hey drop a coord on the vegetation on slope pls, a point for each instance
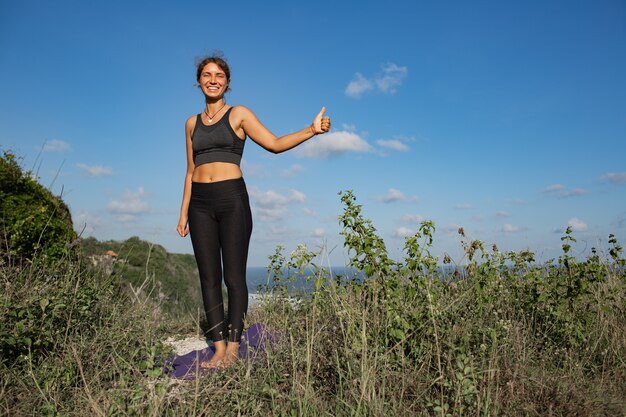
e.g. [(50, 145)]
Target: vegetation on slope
[(503, 336), (33, 221), (170, 279)]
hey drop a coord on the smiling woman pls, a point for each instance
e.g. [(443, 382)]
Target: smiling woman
[(215, 209)]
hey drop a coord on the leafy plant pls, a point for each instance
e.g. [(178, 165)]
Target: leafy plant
[(368, 250)]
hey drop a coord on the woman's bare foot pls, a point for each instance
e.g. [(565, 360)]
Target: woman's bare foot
[(232, 355), (215, 361), (218, 356), (223, 357)]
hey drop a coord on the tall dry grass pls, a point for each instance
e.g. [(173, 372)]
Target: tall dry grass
[(501, 336)]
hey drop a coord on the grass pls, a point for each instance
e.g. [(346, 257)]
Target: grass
[(506, 336)]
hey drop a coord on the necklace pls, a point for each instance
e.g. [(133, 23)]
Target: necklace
[(206, 111)]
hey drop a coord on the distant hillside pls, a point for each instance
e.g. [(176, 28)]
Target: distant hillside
[(170, 278)]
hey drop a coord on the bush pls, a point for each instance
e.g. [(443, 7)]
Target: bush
[(32, 219), (43, 305), (500, 335), (68, 331)]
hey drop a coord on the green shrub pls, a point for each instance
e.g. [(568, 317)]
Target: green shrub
[(43, 305), (66, 327), (499, 337), (32, 220)]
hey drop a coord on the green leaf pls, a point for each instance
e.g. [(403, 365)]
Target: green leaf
[(397, 334)]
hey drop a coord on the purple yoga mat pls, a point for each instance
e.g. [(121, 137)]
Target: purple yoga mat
[(254, 341)]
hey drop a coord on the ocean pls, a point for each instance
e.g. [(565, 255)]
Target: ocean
[(258, 278)]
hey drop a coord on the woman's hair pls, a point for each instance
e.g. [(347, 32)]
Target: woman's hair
[(217, 60)]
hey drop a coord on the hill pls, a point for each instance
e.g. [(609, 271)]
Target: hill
[(171, 279)]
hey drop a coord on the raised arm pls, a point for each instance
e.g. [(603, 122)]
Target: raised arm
[(183, 227), (247, 123)]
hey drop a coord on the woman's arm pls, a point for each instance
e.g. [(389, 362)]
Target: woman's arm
[(247, 122), (183, 227)]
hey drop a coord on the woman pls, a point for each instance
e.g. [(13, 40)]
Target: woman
[(215, 208)]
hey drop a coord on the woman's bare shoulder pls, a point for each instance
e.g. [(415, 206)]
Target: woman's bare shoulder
[(241, 110), (191, 121), (190, 125), (239, 114)]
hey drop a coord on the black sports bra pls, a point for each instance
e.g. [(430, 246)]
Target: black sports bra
[(216, 143)]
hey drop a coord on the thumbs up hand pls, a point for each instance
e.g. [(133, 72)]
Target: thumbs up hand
[(321, 123)]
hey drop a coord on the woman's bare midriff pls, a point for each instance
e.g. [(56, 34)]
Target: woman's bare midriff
[(216, 171)]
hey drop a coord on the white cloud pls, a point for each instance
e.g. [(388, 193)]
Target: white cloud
[(386, 82), (292, 171), (271, 205), (358, 86), (126, 217), (614, 177), (129, 205), (554, 188), (463, 206), (254, 170), (280, 230), (574, 193), (393, 144), (394, 195), (318, 232), (509, 228), (274, 233), (95, 170), (86, 222), (560, 191), (297, 196), (401, 232), (334, 143), (413, 218), (519, 201), (502, 214), (309, 212), (577, 225), (393, 76), (56, 145), (348, 127)]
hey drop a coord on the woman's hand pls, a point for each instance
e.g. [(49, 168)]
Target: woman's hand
[(183, 227), (321, 123)]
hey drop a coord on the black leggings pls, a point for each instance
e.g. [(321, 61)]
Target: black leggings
[(220, 221)]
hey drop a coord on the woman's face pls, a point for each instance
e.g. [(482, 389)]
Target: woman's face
[(213, 82)]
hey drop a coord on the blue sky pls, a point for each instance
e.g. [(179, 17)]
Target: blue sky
[(506, 118)]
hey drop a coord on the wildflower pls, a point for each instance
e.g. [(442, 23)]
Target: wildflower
[(299, 252)]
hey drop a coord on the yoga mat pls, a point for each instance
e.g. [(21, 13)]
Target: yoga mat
[(254, 341)]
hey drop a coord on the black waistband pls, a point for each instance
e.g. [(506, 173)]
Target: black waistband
[(220, 189)]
